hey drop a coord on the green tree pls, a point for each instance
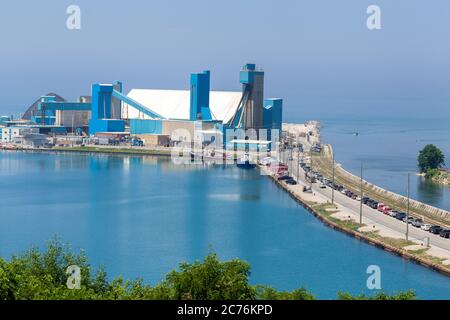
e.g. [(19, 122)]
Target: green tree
[(430, 157), (38, 275), (212, 280), (406, 295), (269, 293)]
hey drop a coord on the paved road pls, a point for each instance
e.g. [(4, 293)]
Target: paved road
[(372, 214)]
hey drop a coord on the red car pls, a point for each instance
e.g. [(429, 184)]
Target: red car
[(380, 207), (279, 169)]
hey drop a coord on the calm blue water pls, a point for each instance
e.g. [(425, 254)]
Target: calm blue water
[(391, 134), (140, 217)]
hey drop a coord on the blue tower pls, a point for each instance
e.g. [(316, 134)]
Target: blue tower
[(200, 86), (101, 120), (272, 116)]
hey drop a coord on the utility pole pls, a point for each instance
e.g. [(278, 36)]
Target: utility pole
[(407, 211), (361, 196), (332, 186), (311, 164), (298, 161)]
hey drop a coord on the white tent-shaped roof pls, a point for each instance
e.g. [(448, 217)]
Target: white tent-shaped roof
[(175, 104)]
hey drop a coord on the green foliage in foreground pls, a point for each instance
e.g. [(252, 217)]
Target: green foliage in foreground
[(38, 276), (407, 295)]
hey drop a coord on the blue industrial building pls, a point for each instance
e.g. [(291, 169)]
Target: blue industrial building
[(149, 126), (101, 118), (273, 116), (200, 87), (233, 110)]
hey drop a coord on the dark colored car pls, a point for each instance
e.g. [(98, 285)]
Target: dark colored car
[(291, 182), (400, 216), (435, 229), (445, 233), (417, 223), (410, 220), (286, 177)]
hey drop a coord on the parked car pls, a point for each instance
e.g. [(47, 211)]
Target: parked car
[(425, 227), (417, 223), (400, 216), (374, 205), (410, 219), (322, 185), (284, 177), (435, 229), (393, 213), (380, 206), (266, 161), (386, 209), (291, 182), (445, 233)]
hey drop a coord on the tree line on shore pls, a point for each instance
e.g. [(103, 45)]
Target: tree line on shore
[(36, 275)]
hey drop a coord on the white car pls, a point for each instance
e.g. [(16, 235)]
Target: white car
[(393, 213), (268, 161), (425, 226), (265, 161), (322, 185)]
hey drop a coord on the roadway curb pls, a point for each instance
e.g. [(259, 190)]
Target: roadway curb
[(362, 237)]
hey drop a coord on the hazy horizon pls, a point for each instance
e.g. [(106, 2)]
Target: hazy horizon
[(319, 51)]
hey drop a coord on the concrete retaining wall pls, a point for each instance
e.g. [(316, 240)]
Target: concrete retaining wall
[(414, 204)]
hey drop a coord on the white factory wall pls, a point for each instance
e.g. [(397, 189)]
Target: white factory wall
[(175, 104)]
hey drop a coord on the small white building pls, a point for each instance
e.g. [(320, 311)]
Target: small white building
[(9, 133), (33, 140)]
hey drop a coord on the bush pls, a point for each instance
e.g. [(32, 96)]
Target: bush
[(432, 173), (407, 295), (42, 276)]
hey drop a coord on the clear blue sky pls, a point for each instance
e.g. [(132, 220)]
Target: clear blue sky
[(315, 49)]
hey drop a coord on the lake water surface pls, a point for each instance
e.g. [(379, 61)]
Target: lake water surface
[(141, 216)]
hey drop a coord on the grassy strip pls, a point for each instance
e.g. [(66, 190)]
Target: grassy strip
[(352, 228), (323, 164), (324, 210)]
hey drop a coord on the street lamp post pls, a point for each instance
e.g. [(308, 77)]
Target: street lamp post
[(298, 161), (361, 196), (407, 209), (311, 164), (332, 186)]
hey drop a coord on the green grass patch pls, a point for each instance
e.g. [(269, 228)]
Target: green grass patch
[(323, 209)]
